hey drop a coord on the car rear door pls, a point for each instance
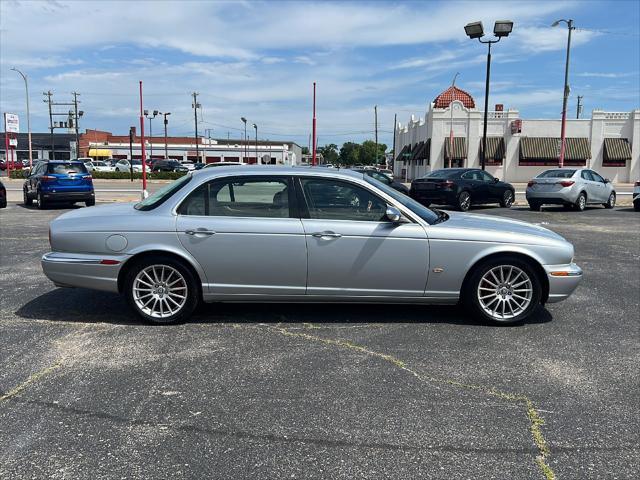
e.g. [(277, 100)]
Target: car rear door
[(247, 235), (353, 251)]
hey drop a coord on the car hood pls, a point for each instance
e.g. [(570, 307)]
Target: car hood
[(468, 226)]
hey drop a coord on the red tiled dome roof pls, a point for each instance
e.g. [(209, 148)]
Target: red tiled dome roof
[(454, 93)]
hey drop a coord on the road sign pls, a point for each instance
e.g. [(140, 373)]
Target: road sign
[(13, 142), (11, 123)]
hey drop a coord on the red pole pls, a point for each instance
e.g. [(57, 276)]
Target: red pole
[(313, 143), (143, 152), (6, 148)]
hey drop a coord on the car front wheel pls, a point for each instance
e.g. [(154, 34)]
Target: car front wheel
[(464, 201), (503, 291), (161, 290), (41, 202), (581, 202), (27, 200), (507, 199), (611, 202)]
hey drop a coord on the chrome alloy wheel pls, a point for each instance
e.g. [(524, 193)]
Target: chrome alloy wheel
[(504, 292), (160, 291), (464, 200)]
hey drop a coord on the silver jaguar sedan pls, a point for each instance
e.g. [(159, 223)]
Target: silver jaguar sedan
[(277, 234)]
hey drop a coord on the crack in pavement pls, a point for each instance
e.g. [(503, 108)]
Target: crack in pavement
[(535, 420)]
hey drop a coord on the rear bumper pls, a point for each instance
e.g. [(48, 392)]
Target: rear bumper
[(563, 280), (82, 270), (434, 196), (68, 195), (558, 197)]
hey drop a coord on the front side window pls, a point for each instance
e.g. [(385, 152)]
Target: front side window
[(240, 197), (486, 177), (586, 175), (596, 177), (336, 200)]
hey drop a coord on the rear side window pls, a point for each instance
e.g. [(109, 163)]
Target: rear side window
[(66, 168), (240, 197), (559, 173)]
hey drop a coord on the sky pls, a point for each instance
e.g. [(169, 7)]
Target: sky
[(259, 59)]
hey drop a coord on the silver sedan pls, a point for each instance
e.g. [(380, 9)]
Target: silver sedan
[(276, 234), (577, 187)]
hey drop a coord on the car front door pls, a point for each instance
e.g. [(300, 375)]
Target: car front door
[(247, 235), (603, 189), (591, 187), (494, 190), (353, 250)]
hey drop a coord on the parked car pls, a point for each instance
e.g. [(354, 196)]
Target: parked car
[(342, 236), (381, 177), (3, 196), (461, 188), (576, 187), (12, 164), (224, 164), (387, 172), (636, 196), (58, 180), (98, 166), (169, 166), (199, 165), (123, 165)]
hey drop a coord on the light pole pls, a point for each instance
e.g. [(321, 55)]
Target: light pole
[(566, 90), (453, 85), (155, 114), (26, 88), (244, 120), (502, 28), (166, 122), (256, 128)]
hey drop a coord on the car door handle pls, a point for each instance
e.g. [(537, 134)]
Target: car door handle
[(326, 234), (200, 231)]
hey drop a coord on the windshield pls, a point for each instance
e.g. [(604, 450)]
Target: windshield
[(423, 212), (557, 174), (162, 195), (66, 168)]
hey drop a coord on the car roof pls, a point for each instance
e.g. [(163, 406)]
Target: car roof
[(250, 170)]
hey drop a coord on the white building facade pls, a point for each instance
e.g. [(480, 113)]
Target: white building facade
[(517, 149)]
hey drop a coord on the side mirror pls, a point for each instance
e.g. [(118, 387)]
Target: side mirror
[(393, 214), (496, 179), (606, 180)]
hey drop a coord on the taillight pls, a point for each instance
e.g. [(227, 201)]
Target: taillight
[(531, 183), (48, 178), (89, 178), (567, 183), (637, 184)]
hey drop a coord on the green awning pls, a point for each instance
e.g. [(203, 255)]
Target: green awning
[(401, 156), (495, 149), (417, 151), (617, 150), (459, 148), (548, 148)]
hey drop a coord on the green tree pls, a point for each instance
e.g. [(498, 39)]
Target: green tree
[(368, 152), (305, 151), (349, 153), (329, 152)]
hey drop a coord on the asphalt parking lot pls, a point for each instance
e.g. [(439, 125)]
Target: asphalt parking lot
[(308, 391)]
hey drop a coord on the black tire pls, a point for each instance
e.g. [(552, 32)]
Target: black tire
[(41, 202), (190, 283), (470, 295), (464, 201), (581, 202), (611, 202), (26, 199), (90, 203), (636, 206), (535, 206), (507, 199)]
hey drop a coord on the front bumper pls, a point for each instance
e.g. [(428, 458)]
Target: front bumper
[(563, 280), (83, 270)]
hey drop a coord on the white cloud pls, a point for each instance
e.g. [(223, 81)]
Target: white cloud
[(605, 74), (545, 39)]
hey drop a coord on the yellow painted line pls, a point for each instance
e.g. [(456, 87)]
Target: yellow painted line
[(535, 420), (32, 378)]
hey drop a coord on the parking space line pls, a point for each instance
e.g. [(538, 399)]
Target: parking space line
[(535, 420)]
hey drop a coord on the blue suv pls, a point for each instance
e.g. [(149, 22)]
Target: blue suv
[(59, 180)]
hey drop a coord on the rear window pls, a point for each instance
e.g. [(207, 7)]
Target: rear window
[(66, 168), (557, 174), (443, 173)]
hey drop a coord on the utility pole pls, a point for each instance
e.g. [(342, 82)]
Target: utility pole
[(256, 127), (196, 106), (48, 94), (375, 112), (565, 96), (244, 148), (75, 121), (313, 154), (166, 148), (579, 107), (131, 134), (395, 125)]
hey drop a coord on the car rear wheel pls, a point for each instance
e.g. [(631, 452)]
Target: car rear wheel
[(26, 199), (535, 206), (581, 202), (464, 201), (636, 206), (507, 199), (41, 202), (90, 203), (161, 290), (611, 202), (503, 291)]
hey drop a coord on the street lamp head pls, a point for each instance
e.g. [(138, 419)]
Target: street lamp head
[(155, 112), (81, 113), (255, 126), (474, 30), (146, 112), (557, 22), (502, 28), (244, 120)]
